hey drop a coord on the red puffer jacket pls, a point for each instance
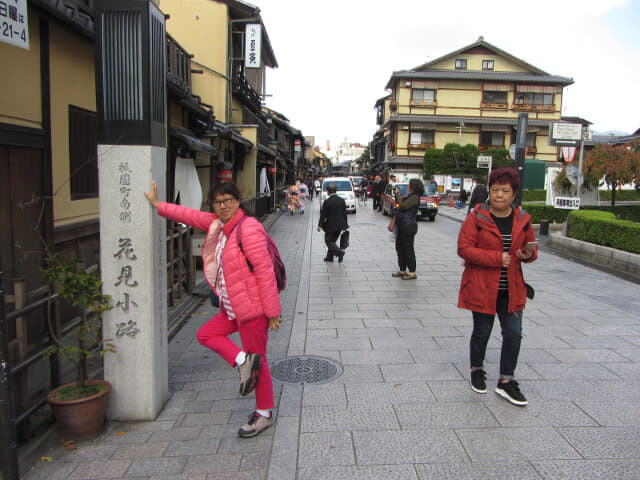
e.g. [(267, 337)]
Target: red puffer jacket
[(252, 294), (480, 245)]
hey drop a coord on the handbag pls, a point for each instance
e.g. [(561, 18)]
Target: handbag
[(215, 301), (392, 224), (344, 240), (530, 291)]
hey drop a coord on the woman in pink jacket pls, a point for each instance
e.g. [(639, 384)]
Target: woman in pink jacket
[(249, 301)]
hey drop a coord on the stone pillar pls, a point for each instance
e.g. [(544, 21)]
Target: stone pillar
[(133, 258)]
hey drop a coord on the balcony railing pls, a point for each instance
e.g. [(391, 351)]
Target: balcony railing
[(245, 91), (528, 107), (178, 65)]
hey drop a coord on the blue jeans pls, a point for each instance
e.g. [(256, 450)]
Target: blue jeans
[(511, 324)]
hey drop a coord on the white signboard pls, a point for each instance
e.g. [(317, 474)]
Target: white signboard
[(14, 25), (567, 203), (484, 161), (567, 131), (252, 45)]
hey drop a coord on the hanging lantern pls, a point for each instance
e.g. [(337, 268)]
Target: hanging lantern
[(224, 172), (272, 170)]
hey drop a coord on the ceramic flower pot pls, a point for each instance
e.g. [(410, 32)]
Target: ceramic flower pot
[(81, 419)]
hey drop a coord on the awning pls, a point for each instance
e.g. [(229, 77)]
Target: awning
[(186, 136), (225, 131), (267, 150), (406, 160)]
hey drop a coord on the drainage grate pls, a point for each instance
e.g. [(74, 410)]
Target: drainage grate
[(300, 370)]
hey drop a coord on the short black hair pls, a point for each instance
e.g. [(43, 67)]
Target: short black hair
[(331, 188)]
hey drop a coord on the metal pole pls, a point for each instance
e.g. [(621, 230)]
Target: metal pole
[(8, 447), (521, 146), (580, 178)]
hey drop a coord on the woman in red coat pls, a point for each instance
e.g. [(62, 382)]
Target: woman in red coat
[(249, 301), (493, 241)]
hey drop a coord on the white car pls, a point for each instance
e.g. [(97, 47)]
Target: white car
[(344, 189)]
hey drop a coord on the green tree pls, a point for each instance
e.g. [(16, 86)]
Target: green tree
[(500, 157), (433, 162), (618, 164), (365, 157), (452, 154)]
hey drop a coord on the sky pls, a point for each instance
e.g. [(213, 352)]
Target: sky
[(335, 57)]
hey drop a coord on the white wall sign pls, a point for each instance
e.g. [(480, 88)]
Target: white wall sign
[(567, 203), (14, 24), (566, 131), (252, 45), (484, 161)]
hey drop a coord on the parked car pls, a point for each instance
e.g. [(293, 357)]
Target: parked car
[(428, 207), (344, 189)]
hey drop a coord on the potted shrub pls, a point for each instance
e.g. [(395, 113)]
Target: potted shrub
[(79, 407)]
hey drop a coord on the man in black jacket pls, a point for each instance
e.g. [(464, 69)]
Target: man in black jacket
[(333, 220), (479, 194)]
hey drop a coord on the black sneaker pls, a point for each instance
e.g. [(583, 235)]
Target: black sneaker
[(511, 392), (478, 378)]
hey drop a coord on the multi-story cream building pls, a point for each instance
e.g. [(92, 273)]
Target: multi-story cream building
[(470, 96)]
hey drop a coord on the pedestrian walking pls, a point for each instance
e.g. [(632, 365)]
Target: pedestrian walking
[(303, 193), (479, 194), (249, 301), (364, 189), (378, 188), (406, 229), (333, 220), (310, 187), (318, 187), (293, 198), (493, 241)]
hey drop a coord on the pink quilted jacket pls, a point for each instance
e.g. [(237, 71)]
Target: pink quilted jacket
[(251, 295)]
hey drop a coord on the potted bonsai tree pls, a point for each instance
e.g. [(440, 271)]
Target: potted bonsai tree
[(79, 407)]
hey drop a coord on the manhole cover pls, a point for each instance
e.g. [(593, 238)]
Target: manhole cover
[(300, 370)]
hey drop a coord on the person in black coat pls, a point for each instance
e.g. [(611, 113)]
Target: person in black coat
[(333, 220), (479, 194)]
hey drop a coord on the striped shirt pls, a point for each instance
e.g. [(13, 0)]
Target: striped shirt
[(505, 225), (221, 286)]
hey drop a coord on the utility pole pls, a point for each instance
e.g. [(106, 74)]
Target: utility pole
[(580, 178), (521, 147), (8, 448), (460, 127)]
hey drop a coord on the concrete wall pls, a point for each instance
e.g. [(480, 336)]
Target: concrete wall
[(20, 101), (247, 177), (72, 83), (201, 28)]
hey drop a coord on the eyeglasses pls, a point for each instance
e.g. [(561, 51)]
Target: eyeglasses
[(224, 202)]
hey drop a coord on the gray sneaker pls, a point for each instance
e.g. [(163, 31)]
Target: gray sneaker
[(255, 426), (249, 372)]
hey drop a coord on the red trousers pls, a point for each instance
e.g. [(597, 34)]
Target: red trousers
[(254, 335)]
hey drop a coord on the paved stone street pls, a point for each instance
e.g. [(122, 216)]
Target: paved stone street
[(403, 407)]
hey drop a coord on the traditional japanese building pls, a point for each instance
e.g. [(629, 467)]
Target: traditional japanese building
[(470, 96)]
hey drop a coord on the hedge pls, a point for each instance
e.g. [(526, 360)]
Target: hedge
[(621, 195), (558, 215), (603, 228), (534, 195)]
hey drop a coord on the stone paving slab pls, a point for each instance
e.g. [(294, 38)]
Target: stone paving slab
[(527, 443)]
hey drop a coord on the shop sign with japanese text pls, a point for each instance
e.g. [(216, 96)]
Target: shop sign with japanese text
[(252, 45), (14, 25), (567, 203)]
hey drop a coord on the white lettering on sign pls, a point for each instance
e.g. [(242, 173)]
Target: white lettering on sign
[(252, 45), (567, 203), (14, 24)]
